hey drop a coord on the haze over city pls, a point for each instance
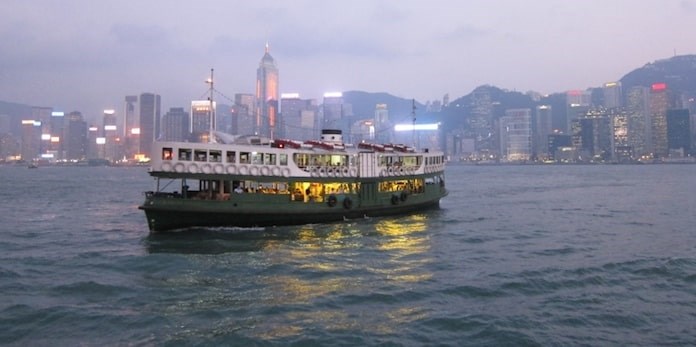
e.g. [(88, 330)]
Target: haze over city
[(84, 55)]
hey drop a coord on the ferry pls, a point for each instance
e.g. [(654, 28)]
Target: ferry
[(252, 181)]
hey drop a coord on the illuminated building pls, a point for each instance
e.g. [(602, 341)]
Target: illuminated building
[(577, 104), (592, 135), (612, 95), (31, 139), (659, 104), (149, 122), (266, 96), (110, 133), (175, 125), (480, 121), (516, 135), (131, 127), (201, 116), (678, 130), (620, 143), (542, 130), (638, 122), (556, 141), (382, 126)]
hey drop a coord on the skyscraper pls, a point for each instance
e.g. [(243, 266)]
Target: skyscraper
[(659, 104), (266, 96), (244, 114), (201, 118), (543, 129), (149, 122), (638, 122), (516, 134), (76, 139), (612, 95), (175, 125), (678, 130)]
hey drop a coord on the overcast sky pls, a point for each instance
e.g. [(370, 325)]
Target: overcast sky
[(87, 55)]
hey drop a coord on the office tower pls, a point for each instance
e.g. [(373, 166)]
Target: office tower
[(130, 115), (382, 125), (175, 125), (243, 114), (111, 137), (592, 135), (31, 139), (542, 130), (577, 104), (149, 122), (480, 122), (266, 96), (556, 142), (297, 122), (612, 95), (678, 131), (516, 135), (332, 111), (201, 116), (639, 129), (622, 150), (76, 137), (659, 104)]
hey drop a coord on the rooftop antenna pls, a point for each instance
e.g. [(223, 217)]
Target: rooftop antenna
[(211, 115)]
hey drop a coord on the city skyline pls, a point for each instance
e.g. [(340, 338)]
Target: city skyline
[(85, 56)]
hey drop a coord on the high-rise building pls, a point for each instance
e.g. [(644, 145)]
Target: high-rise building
[(620, 142), (542, 129), (294, 115), (577, 105), (382, 125), (31, 139), (112, 144), (678, 130), (332, 111), (612, 95), (76, 137), (244, 114), (130, 115), (175, 125), (201, 116), (516, 135), (266, 96), (592, 135), (659, 104), (149, 122), (639, 130)]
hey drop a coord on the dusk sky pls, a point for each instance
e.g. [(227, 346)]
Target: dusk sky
[(87, 55)]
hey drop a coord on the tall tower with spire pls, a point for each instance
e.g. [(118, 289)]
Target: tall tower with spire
[(266, 96)]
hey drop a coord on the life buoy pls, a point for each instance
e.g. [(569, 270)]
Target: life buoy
[(265, 170), (179, 167), (193, 168), (231, 169), (286, 172), (218, 168), (276, 171), (404, 195), (383, 173), (205, 168), (254, 171), (347, 203), (331, 201), (166, 167), (345, 172), (243, 170), (322, 172), (394, 199), (401, 171), (353, 172), (390, 171)]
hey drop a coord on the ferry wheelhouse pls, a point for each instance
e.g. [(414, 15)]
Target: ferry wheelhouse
[(250, 181)]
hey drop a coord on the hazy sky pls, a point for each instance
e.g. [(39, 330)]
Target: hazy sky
[(88, 54)]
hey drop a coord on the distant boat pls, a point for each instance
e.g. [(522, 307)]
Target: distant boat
[(33, 166)]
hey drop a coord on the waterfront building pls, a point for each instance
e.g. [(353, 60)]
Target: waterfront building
[(659, 104), (175, 125), (592, 135), (480, 121), (111, 138), (639, 129), (298, 117), (542, 129), (516, 135), (244, 114), (332, 111), (678, 130), (578, 103), (619, 130), (76, 137), (266, 96), (149, 122)]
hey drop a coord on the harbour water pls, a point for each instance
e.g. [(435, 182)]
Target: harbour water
[(516, 255)]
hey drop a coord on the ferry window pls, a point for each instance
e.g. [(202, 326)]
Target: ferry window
[(244, 157), (167, 153), (269, 159), (215, 156), (231, 156), (184, 154), (283, 159), (256, 158), (200, 155)]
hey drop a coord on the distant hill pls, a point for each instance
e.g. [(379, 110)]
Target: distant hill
[(364, 104), (678, 72)]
